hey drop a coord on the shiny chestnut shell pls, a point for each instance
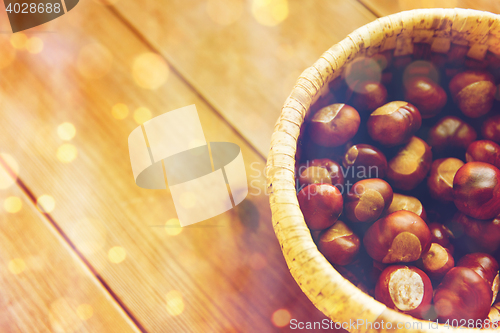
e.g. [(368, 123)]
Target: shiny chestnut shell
[(334, 125)]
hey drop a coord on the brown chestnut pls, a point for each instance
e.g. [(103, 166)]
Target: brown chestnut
[(394, 123), (399, 237), (437, 261), (321, 205), (491, 129), (440, 180), (334, 125), (441, 235), (473, 92), (476, 190), (410, 165), (366, 161), (339, 244), (451, 132), (426, 95), (321, 170), (406, 202), (368, 95), (485, 266), (480, 235), (462, 294), (484, 151), (405, 288), (367, 200)]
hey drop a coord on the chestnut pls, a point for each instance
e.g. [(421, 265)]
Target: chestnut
[(399, 237), (485, 266), (480, 235), (405, 288), (339, 244), (321, 170), (462, 294), (367, 200), (426, 95), (334, 125), (484, 151), (410, 165), (321, 205), (368, 95), (406, 202), (441, 235), (476, 190), (440, 180), (365, 160), (394, 123), (491, 129), (451, 132), (437, 261), (473, 92)]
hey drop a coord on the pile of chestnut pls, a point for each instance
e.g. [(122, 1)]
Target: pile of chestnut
[(398, 180)]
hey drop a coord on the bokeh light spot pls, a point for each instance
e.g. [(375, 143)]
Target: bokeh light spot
[(84, 311), (224, 12), (150, 71), (6, 180), (281, 318), (34, 45), (17, 266), (117, 254), (63, 316), (175, 303), (46, 203), (94, 61), (120, 111), (12, 205), (270, 12), (141, 115), (362, 69), (66, 153), (18, 40), (173, 227), (66, 131)]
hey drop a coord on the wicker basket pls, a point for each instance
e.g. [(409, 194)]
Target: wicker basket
[(331, 293)]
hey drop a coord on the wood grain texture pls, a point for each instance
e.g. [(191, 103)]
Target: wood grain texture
[(45, 286), (245, 69), (229, 270), (387, 7)]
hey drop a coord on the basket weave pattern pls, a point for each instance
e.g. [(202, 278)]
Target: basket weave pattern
[(331, 293)]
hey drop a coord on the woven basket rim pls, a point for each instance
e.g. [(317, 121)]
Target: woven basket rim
[(331, 293)]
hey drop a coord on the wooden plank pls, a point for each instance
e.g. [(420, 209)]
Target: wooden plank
[(387, 7), (45, 286), (245, 69), (224, 274)]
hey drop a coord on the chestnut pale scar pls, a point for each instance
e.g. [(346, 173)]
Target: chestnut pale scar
[(405, 247), (406, 289)]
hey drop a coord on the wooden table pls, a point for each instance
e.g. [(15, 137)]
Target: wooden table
[(83, 249)]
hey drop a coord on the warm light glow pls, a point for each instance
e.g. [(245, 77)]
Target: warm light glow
[(257, 261), (106, 2), (270, 12), (84, 311), (34, 45), (94, 61), (12, 204), (17, 266), (281, 318), (6, 180), (187, 199), (224, 12), (173, 227), (8, 53), (117, 254), (150, 71), (141, 115), (66, 131), (18, 40), (88, 234), (66, 153), (63, 316), (175, 303), (46, 203), (119, 111)]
